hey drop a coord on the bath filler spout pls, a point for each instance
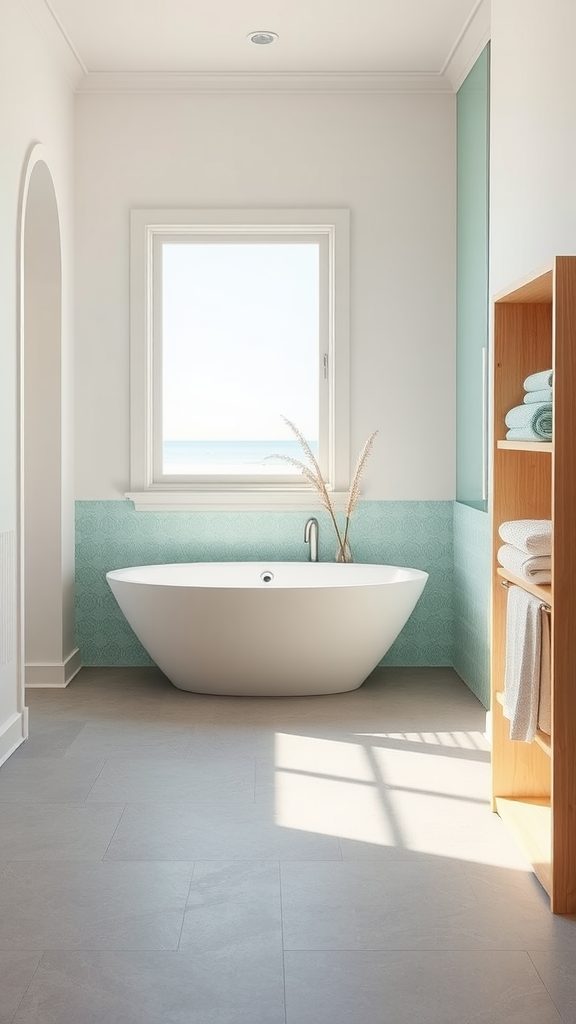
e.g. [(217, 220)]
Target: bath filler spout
[(311, 538)]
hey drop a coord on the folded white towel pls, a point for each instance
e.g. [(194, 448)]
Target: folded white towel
[(534, 568), (525, 434), (532, 397), (545, 702), (522, 669), (536, 418), (537, 381), (534, 536)]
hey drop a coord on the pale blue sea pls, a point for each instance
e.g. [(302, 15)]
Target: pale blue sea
[(186, 456)]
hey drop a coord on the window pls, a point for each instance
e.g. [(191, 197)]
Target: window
[(239, 321)]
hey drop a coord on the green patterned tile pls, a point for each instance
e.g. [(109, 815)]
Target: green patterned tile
[(472, 599), (112, 535)]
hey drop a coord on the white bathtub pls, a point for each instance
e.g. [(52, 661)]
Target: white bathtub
[(267, 628)]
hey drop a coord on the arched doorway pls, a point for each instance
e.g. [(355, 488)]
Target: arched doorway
[(46, 501)]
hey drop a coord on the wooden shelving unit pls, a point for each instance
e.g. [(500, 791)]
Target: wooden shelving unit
[(534, 784)]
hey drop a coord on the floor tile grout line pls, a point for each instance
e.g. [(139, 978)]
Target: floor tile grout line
[(545, 986), (80, 731), (117, 826), (27, 989), (106, 759), (468, 881), (384, 950), (177, 950)]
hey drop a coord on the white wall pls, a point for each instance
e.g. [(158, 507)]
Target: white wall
[(533, 145), (36, 105), (389, 158)]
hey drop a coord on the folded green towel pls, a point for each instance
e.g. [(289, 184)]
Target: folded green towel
[(537, 381), (545, 395), (533, 420)]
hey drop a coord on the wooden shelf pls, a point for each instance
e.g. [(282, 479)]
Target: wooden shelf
[(526, 446), (534, 784), (530, 821), (537, 287), (541, 738), (541, 590)]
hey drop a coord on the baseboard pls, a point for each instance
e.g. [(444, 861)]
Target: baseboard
[(55, 676), (12, 734)]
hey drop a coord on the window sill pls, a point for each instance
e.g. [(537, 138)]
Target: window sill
[(254, 500)]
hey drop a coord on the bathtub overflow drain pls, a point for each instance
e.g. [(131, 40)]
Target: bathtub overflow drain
[(267, 577)]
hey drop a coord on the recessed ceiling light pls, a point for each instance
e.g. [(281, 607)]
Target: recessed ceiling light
[(262, 38)]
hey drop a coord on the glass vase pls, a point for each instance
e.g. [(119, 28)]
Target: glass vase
[(343, 553)]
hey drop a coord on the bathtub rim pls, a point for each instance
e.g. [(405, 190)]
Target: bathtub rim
[(301, 575)]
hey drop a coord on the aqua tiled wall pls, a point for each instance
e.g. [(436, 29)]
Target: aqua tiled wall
[(472, 305), (111, 535), (472, 598)]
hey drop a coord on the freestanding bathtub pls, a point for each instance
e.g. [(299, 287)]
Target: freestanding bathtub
[(267, 628)]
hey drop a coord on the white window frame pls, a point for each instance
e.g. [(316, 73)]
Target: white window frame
[(148, 229)]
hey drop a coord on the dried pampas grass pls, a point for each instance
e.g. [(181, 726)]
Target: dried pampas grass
[(313, 475)]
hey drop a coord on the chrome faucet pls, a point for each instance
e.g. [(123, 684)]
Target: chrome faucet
[(311, 538)]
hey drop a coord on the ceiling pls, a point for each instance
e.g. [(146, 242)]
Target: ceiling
[(209, 36)]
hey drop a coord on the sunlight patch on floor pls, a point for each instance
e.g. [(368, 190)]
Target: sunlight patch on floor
[(333, 807), (463, 740), (313, 754), (374, 791)]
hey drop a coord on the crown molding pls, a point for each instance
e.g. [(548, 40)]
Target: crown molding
[(469, 45), (460, 60), (98, 82), (54, 35)]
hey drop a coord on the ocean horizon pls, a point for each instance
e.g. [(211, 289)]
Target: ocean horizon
[(191, 456)]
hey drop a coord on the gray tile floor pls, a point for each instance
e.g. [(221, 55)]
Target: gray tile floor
[(173, 858)]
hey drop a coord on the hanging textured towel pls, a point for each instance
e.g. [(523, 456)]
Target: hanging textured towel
[(544, 395), (533, 421), (522, 668), (536, 381), (534, 536), (534, 568)]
